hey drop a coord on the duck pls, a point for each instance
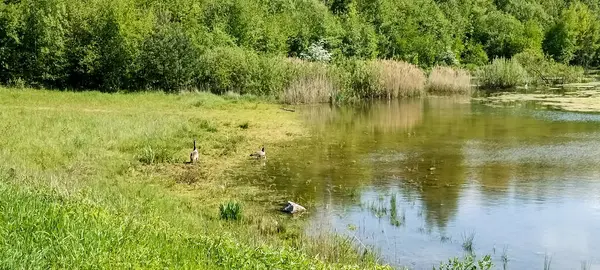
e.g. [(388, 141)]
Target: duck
[(259, 154), (194, 154)]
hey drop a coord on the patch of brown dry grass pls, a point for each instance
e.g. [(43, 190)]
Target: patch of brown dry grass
[(398, 78), (447, 80), (311, 83)]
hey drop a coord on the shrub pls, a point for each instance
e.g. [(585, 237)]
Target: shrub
[(544, 70), (502, 73), (316, 52), (449, 81), (227, 69), (231, 211), (241, 71), (169, 60)]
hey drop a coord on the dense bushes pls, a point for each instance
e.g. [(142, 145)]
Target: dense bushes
[(238, 45), (529, 67), (545, 71)]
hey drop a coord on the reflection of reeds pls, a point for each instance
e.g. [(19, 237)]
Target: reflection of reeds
[(468, 241), (394, 115), (585, 265), (547, 261), (394, 218), (504, 258)]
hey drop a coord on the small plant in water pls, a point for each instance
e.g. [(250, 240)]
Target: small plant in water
[(445, 239), (467, 263), (231, 211), (468, 241), (504, 258), (585, 265), (394, 218), (378, 209), (547, 262)]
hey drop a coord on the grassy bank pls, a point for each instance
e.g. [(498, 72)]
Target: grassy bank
[(100, 180)]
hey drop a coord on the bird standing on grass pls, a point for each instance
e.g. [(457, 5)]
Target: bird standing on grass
[(259, 154), (194, 154)]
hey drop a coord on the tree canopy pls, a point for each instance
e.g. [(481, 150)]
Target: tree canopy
[(113, 44)]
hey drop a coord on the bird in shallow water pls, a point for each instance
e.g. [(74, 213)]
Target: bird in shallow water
[(259, 154), (194, 154)]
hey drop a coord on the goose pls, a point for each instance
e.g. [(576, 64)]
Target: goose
[(259, 154), (194, 154)]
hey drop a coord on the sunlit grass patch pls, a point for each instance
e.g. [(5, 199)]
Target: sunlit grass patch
[(118, 162)]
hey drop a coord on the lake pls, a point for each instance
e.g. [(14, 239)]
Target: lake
[(416, 179)]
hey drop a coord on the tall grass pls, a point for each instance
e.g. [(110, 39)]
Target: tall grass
[(310, 82), (448, 80), (348, 80), (42, 230), (502, 74), (397, 79)]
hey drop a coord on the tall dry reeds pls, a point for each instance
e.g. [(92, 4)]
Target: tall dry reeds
[(310, 82), (398, 79), (448, 80)]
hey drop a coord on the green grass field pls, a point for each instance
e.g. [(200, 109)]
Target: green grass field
[(92, 180)]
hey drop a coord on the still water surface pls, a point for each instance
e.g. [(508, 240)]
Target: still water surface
[(523, 181)]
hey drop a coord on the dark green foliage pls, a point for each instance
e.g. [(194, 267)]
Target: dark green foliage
[(168, 60), (231, 211), (544, 70), (239, 45)]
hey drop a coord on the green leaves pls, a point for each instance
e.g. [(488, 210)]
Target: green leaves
[(138, 44)]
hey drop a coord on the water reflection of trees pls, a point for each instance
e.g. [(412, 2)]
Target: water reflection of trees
[(430, 147)]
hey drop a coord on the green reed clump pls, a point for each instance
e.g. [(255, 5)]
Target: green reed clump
[(231, 211), (155, 154), (502, 74)]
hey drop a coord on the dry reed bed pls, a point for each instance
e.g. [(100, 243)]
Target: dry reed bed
[(398, 79), (448, 80), (310, 82), (316, 82)]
